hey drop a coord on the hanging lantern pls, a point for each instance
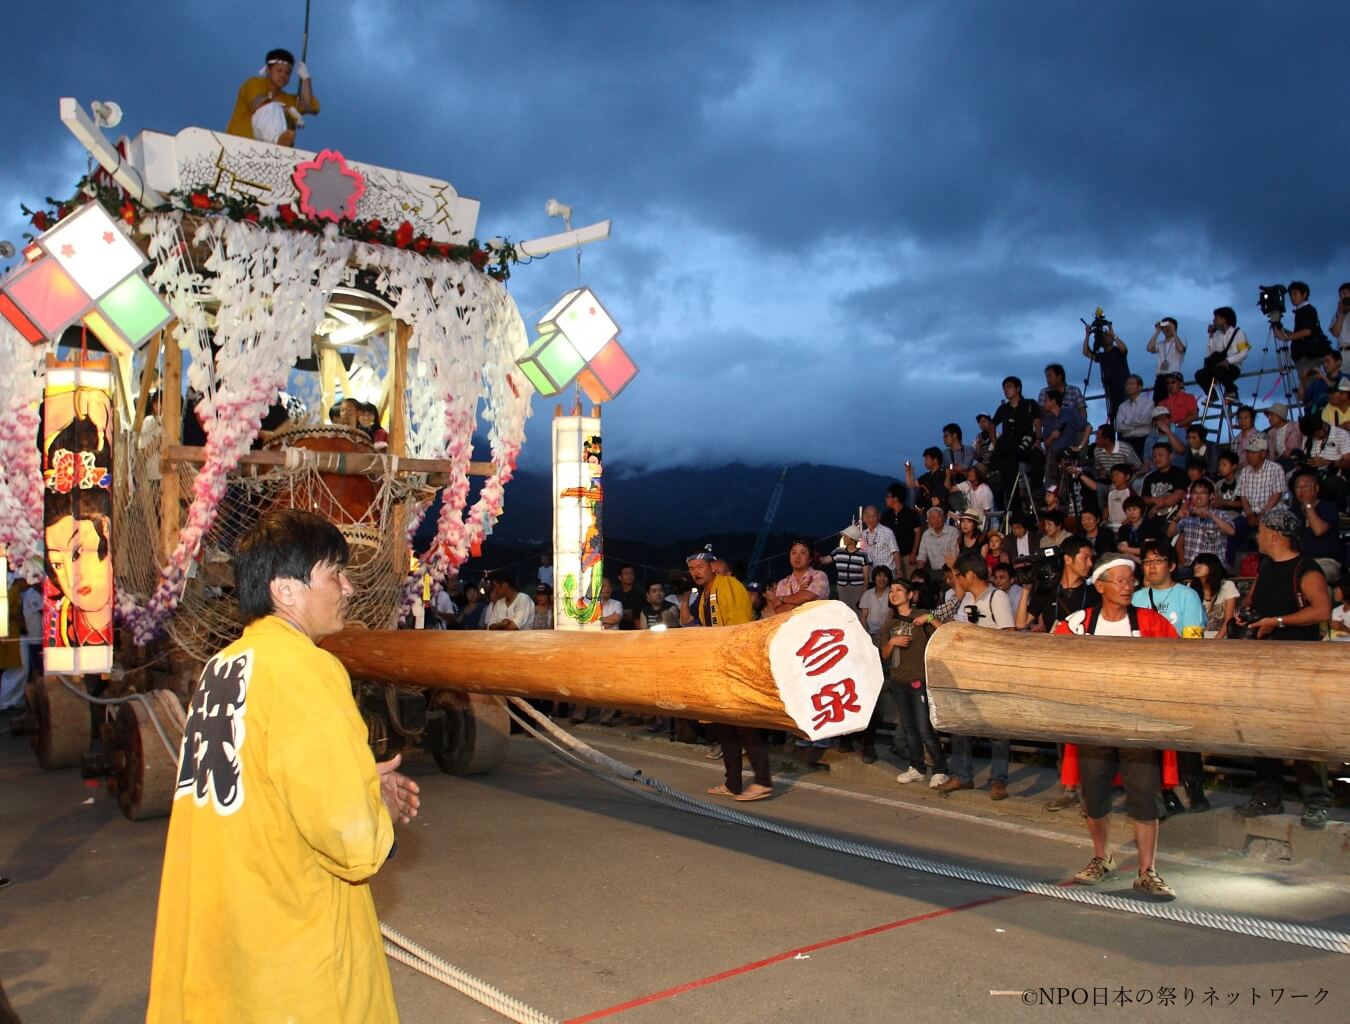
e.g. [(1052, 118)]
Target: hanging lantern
[(77, 465), (86, 269), (578, 340), (578, 545)]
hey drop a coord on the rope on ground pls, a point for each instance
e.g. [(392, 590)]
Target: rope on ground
[(146, 703), (577, 753), (399, 947)]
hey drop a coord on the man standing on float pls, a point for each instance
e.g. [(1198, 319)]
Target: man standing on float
[(263, 111)]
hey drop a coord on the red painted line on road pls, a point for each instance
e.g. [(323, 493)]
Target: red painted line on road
[(712, 979)]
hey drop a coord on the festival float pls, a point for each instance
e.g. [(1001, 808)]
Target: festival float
[(223, 275)]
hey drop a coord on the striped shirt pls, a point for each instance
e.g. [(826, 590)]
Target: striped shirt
[(850, 567)]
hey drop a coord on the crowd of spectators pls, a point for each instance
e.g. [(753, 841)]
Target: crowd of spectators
[(1231, 532)]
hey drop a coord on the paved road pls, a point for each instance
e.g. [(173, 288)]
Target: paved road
[(590, 904)]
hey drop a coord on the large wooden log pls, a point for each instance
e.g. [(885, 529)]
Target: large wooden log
[(814, 671), (1219, 697)]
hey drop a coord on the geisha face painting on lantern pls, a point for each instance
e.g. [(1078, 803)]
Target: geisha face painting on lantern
[(77, 518)]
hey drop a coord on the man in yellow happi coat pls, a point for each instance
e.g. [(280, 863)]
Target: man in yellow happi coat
[(264, 111), (281, 815)]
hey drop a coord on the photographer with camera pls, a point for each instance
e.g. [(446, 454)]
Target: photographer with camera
[(1228, 347), (983, 604), (1326, 451), (1318, 383), (1054, 585), (1307, 343), (1063, 431), (1170, 349), (1018, 423), (1340, 323), (1103, 346), (1288, 602)]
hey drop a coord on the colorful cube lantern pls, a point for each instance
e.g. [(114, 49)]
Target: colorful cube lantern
[(127, 316), (46, 297), (91, 248), (578, 340), (86, 269)]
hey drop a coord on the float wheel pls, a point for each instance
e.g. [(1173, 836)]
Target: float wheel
[(144, 775), (64, 723), (477, 732)]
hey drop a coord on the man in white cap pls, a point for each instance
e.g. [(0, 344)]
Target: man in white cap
[(1260, 482), (1093, 767), (1337, 410), (263, 110), (1164, 431)]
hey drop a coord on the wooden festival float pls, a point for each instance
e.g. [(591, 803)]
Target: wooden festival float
[(252, 286)]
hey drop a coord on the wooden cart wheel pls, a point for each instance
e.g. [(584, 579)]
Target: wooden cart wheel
[(144, 775), (478, 729), (65, 724)]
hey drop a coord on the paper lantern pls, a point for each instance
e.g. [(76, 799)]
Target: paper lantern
[(580, 318), (578, 340), (86, 269), (607, 374), (127, 316), (578, 546), (91, 248), (551, 363), (77, 461), (46, 297)]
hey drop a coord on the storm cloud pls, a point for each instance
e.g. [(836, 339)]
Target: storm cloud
[(835, 226)]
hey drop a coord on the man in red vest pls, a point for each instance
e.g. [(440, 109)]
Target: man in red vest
[(1098, 766)]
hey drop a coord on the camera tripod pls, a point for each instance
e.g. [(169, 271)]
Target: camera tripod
[(1024, 482)]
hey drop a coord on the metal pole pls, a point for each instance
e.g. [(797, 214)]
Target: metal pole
[(304, 45)]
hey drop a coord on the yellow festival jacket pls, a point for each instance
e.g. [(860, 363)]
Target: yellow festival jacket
[(265, 912)]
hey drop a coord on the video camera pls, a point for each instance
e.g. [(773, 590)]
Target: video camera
[(1100, 326), (1041, 571), (1272, 301)]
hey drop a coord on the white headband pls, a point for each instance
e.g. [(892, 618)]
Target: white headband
[(1108, 565)]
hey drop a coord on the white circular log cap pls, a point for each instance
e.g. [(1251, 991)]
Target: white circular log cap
[(827, 669)]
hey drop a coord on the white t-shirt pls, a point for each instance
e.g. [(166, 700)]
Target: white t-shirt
[(875, 606), (1105, 627), (981, 497), (1115, 505), (611, 607), (1171, 352), (995, 609), (519, 610)]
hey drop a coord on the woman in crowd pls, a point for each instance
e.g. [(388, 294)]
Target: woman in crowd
[(470, 615), (873, 604), (1218, 595), (977, 492), (970, 525), (1246, 421), (902, 646)]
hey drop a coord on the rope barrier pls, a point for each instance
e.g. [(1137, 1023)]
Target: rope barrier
[(578, 754)]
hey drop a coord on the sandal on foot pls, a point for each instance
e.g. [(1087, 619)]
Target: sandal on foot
[(719, 790), (755, 793)]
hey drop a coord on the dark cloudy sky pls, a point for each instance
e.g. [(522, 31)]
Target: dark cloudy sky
[(836, 225)]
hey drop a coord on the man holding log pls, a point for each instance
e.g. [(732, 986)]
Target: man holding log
[(723, 601), (1097, 766)]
